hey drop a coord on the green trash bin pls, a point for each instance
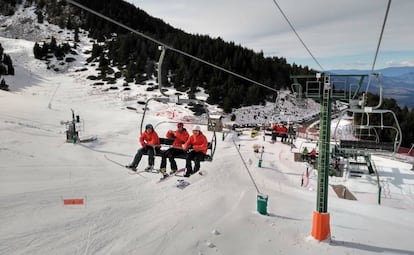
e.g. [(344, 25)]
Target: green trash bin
[(262, 203)]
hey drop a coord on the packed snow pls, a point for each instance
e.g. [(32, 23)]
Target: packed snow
[(124, 213)]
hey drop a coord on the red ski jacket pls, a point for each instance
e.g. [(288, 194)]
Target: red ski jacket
[(179, 137), (199, 143), (275, 129), (283, 130), (149, 138)]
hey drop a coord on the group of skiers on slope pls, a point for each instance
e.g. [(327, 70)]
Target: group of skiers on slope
[(150, 143)]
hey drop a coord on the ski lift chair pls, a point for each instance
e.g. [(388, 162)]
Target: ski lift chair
[(166, 143)]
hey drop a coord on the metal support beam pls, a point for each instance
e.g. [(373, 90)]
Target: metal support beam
[(324, 148)]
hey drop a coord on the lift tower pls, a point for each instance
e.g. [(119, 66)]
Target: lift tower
[(322, 90), (320, 226), (328, 87)]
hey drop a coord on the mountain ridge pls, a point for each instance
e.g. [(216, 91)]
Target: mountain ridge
[(119, 86), (386, 72), (397, 82)]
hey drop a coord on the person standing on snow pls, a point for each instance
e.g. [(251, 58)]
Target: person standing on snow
[(150, 143), (313, 154), (180, 136), (199, 144), (305, 154)]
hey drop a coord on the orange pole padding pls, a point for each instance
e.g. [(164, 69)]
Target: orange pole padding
[(73, 201), (320, 227)]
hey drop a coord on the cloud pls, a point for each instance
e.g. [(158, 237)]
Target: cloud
[(328, 28), (392, 63)]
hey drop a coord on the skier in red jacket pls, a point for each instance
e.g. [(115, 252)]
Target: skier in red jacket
[(150, 143), (199, 144), (275, 133), (180, 136)]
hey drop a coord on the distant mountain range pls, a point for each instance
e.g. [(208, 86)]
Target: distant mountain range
[(398, 83), (388, 72)]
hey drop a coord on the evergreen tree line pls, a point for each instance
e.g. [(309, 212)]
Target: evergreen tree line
[(133, 54), (136, 56), (6, 68), (8, 7), (51, 49)]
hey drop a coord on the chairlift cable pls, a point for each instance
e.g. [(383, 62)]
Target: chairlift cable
[(375, 58), (379, 43), (297, 35), (167, 46), (246, 167), (382, 33)]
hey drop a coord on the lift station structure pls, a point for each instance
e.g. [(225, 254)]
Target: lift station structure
[(325, 88)]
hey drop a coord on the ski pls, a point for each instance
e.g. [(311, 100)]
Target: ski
[(130, 171), (153, 171), (163, 178), (180, 172)]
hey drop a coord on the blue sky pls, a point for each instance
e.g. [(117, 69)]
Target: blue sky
[(340, 34)]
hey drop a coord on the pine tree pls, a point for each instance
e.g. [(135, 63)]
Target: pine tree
[(37, 51), (6, 68), (9, 63), (40, 17), (76, 35)]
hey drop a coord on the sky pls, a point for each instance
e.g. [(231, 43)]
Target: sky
[(340, 34), (124, 213)]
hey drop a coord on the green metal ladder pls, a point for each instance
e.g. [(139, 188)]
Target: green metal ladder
[(324, 147)]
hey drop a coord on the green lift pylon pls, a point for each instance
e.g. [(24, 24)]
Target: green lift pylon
[(325, 89), (321, 226)]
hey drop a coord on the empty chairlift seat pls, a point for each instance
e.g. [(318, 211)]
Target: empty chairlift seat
[(370, 145)]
